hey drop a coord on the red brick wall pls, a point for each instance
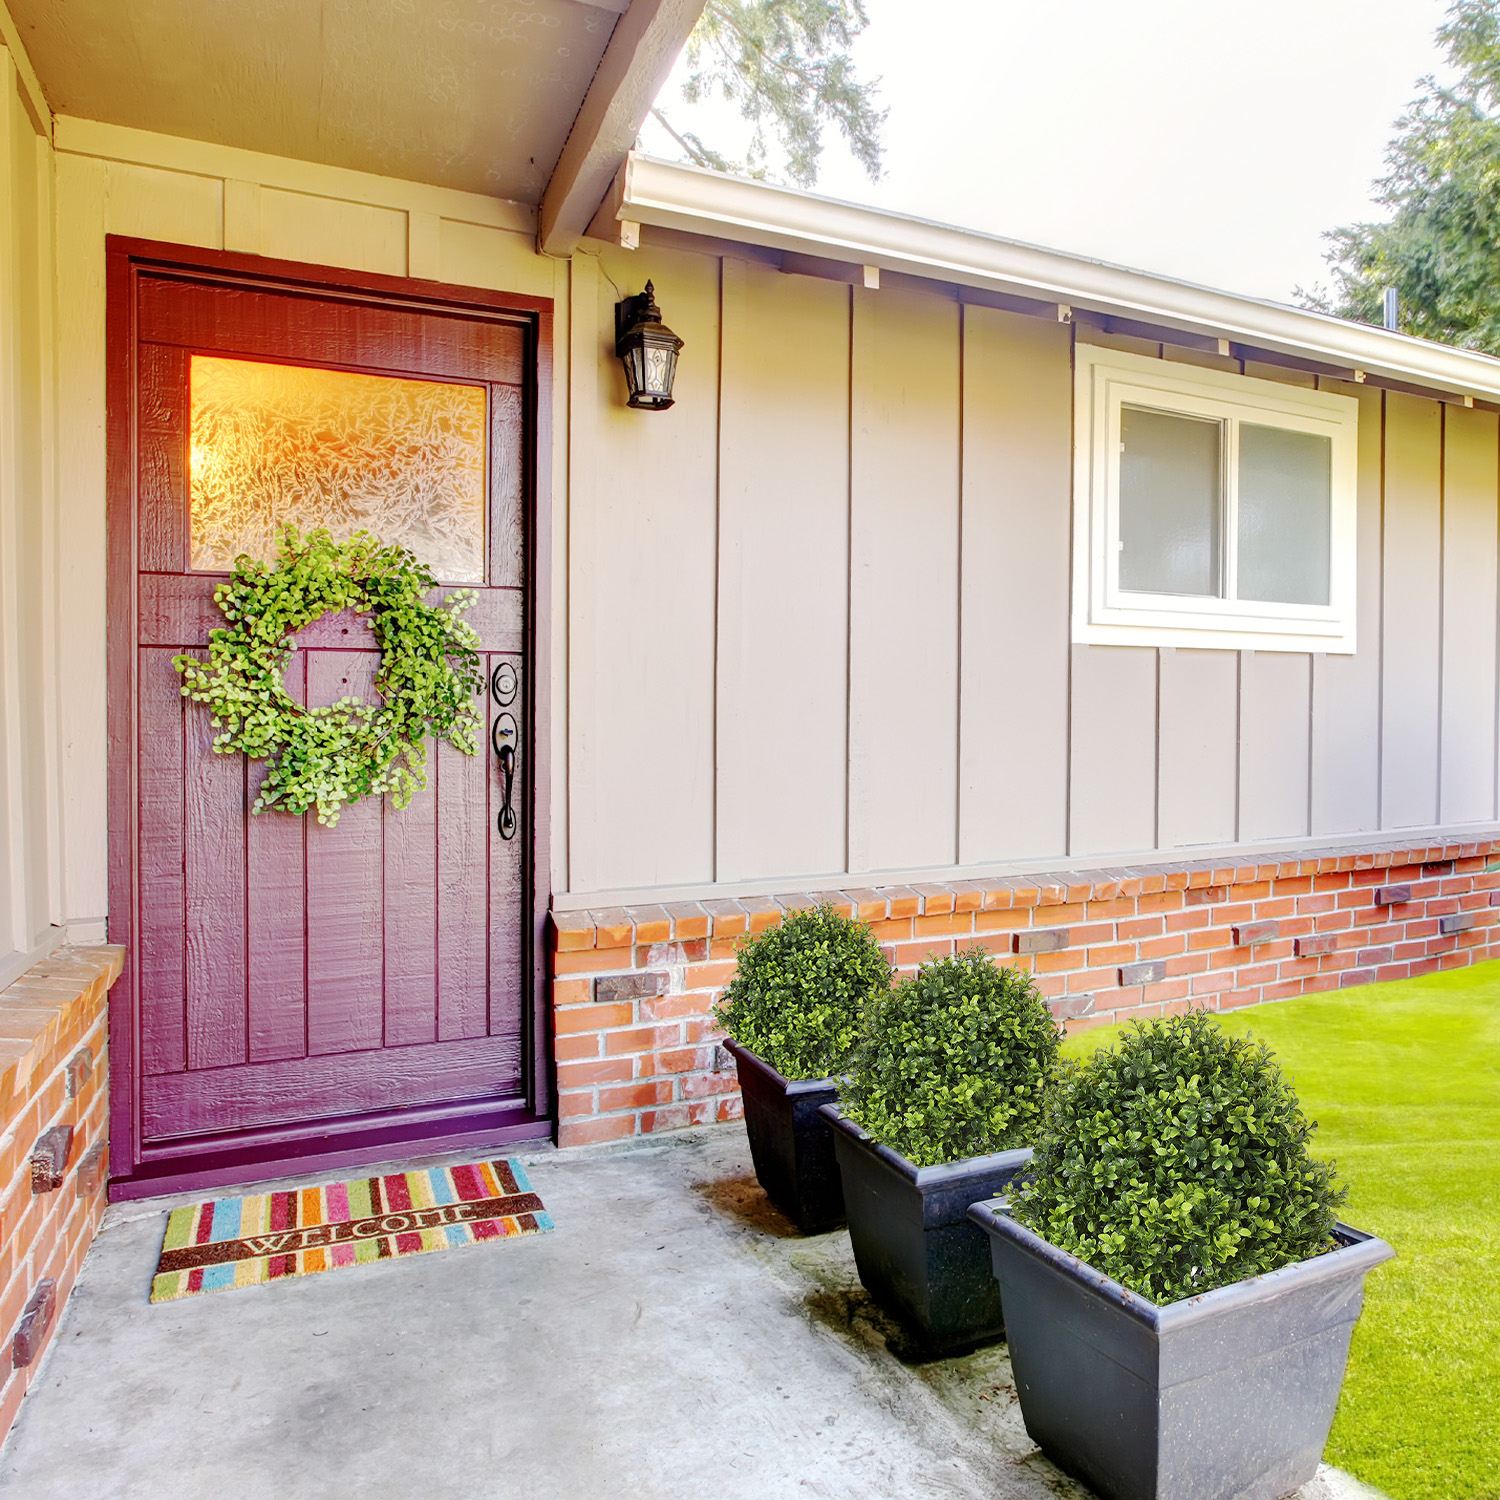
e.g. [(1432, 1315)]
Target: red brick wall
[(634, 989), (53, 1075)]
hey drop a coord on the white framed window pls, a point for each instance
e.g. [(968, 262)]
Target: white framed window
[(1210, 509)]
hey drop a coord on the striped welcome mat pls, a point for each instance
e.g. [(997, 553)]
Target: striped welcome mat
[(229, 1242)]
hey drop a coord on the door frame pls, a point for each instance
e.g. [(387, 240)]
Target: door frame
[(423, 1130)]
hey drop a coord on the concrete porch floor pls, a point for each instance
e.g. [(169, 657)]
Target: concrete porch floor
[(671, 1337)]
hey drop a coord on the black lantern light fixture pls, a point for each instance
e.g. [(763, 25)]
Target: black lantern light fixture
[(648, 350)]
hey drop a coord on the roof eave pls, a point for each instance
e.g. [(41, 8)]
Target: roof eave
[(669, 195), (642, 50)]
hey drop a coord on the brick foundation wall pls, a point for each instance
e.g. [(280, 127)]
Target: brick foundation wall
[(633, 989), (53, 1161)]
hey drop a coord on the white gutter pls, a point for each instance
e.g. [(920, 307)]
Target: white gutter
[(668, 195)]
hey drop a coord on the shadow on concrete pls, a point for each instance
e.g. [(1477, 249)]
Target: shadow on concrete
[(852, 1313), (744, 1201)]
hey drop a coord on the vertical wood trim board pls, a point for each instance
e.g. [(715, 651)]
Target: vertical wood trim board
[(79, 468), (424, 245), (584, 299), (242, 217)]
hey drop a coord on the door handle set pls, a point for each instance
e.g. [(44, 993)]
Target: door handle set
[(505, 739)]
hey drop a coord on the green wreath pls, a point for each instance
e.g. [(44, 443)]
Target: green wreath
[(327, 756)]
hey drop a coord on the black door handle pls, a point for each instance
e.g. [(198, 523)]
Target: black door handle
[(503, 738)]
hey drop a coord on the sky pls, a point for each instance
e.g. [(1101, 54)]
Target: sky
[(1207, 140)]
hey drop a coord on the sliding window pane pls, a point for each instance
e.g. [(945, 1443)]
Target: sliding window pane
[(1171, 503), (1286, 490)]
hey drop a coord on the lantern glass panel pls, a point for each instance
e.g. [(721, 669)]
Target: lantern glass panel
[(659, 366)]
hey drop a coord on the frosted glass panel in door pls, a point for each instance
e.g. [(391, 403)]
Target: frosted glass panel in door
[(1171, 502), (272, 444), (1286, 492)]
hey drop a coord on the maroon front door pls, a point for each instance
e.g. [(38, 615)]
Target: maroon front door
[(298, 992)]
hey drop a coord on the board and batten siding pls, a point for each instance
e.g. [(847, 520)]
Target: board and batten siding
[(811, 626), (820, 612)]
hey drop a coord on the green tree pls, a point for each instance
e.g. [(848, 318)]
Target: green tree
[(1440, 245), (786, 64)]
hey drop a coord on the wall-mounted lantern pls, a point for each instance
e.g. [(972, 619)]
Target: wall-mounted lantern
[(648, 350)]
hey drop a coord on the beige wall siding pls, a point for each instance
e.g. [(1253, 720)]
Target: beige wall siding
[(29, 896), (1275, 719), (811, 625), (977, 736), (642, 541), (1467, 772), (783, 587), (1114, 762), (1013, 665), (1199, 727), (1412, 619), (1345, 758), (903, 585)]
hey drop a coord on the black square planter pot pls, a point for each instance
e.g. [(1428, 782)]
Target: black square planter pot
[(918, 1254), (1225, 1396), (790, 1143)]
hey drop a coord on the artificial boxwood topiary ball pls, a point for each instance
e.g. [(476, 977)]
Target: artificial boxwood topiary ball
[(954, 1062), (1177, 1161), (800, 989)]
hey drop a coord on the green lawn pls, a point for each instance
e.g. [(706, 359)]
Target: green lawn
[(1404, 1081)]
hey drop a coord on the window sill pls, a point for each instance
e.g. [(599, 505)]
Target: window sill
[(1211, 638)]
